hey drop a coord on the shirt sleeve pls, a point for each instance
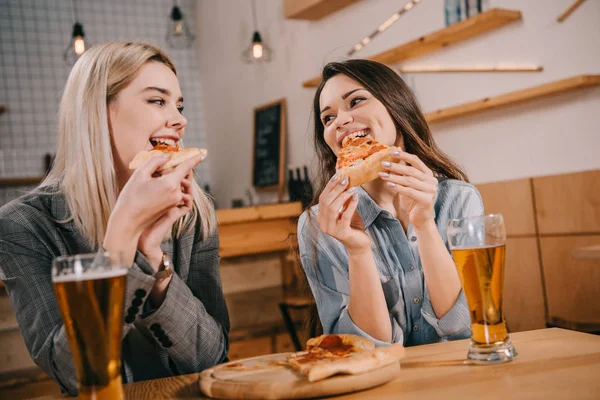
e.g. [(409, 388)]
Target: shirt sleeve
[(332, 305)]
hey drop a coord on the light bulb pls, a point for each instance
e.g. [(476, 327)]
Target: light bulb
[(177, 28), (257, 50), (76, 46), (178, 35), (79, 45)]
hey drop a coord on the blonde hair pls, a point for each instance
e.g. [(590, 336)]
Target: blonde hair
[(84, 167)]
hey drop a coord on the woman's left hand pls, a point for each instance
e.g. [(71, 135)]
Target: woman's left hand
[(416, 186), (151, 238)]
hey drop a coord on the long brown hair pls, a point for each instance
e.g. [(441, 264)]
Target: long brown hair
[(386, 86)]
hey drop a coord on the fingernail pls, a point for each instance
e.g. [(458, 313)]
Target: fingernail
[(351, 190), (386, 164), (384, 175), (396, 153), (166, 155), (355, 196), (391, 184), (344, 182), (335, 177)]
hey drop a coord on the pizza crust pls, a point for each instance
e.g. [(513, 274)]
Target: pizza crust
[(359, 363), (369, 169), (175, 159), (333, 354)]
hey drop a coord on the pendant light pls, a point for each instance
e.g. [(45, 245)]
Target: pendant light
[(77, 44), (257, 51), (179, 35)]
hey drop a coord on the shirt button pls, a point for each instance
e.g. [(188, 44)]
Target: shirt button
[(416, 300), (415, 328), (411, 267), (413, 238)]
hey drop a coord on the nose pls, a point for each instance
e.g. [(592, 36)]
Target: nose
[(176, 120), (343, 118)]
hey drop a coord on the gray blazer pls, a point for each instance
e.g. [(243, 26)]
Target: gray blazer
[(187, 333)]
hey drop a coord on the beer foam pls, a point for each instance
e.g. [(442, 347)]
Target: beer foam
[(88, 276), (475, 247)]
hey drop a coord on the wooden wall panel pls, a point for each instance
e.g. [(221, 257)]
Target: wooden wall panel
[(13, 352), (250, 348), (523, 296), (255, 309), (242, 274), (514, 200), (572, 285), (568, 203)]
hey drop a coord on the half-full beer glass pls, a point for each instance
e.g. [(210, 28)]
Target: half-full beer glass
[(90, 289), (478, 246)]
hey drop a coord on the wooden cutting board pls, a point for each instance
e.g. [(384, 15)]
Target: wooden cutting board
[(263, 378)]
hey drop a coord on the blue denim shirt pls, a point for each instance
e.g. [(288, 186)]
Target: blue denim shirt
[(396, 254)]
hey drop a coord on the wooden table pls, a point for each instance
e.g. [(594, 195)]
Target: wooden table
[(552, 364)]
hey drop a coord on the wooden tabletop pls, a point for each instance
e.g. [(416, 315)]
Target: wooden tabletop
[(552, 364)]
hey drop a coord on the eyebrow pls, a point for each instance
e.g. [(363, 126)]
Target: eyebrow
[(344, 97), (166, 92)]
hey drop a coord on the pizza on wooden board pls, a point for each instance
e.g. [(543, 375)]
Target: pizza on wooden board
[(329, 355), (177, 155), (360, 158)]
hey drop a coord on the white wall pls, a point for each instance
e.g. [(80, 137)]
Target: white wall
[(33, 37), (548, 136)]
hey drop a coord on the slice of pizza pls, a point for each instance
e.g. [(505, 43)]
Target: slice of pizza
[(329, 355), (340, 343), (360, 159), (178, 155)]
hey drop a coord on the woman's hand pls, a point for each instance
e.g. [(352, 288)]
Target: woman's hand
[(416, 186), (149, 242), (145, 198), (337, 217)]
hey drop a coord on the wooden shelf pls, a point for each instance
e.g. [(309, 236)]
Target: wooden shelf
[(313, 10), (486, 21), (30, 180), (520, 96), (587, 253)]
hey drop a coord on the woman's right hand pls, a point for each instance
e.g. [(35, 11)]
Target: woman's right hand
[(142, 201), (337, 215)]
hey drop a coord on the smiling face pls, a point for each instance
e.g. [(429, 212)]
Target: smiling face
[(347, 109), (145, 112)]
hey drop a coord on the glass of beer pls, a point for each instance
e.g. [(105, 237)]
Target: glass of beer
[(478, 246), (90, 290)]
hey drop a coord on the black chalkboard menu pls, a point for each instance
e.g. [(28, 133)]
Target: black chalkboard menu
[(269, 146)]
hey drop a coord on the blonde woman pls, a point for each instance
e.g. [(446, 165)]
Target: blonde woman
[(119, 99)]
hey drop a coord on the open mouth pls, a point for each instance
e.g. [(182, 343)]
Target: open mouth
[(156, 141), (354, 135)]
